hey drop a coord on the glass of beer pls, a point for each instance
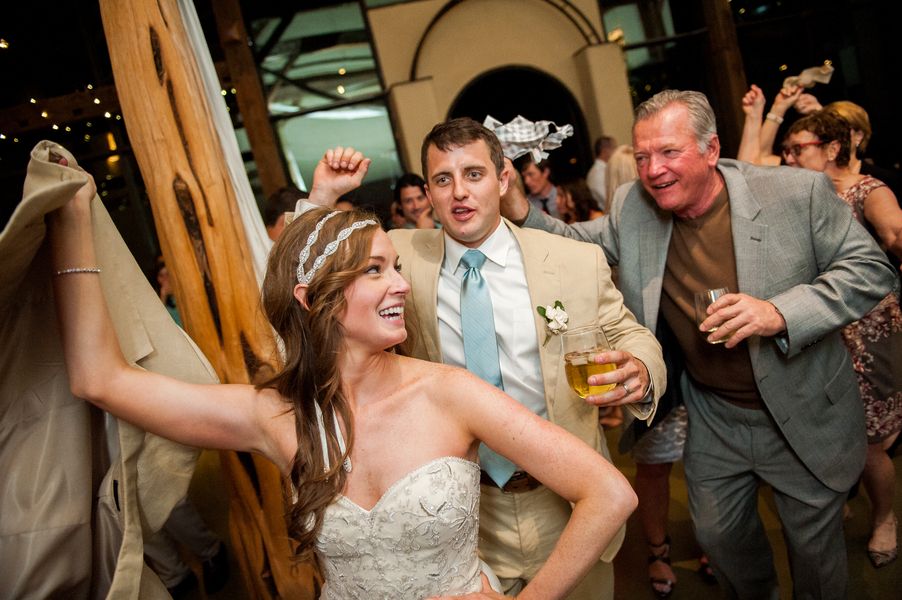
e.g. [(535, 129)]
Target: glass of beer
[(702, 301), (580, 346)]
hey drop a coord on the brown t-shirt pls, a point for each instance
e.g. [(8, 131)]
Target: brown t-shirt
[(701, 257)]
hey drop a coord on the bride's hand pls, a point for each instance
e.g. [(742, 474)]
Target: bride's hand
[(81, 201), (487, 593)]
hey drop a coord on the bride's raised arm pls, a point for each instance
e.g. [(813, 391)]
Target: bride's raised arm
[(236, 417)]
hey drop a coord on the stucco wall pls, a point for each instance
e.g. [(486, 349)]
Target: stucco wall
[(477, 36)]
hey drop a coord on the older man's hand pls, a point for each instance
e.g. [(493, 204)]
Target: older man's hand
[(739, 316), (514, 205)]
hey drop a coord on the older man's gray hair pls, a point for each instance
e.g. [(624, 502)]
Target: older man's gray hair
[(701, 116)]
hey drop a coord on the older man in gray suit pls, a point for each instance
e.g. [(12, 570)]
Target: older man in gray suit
[(777, 402)]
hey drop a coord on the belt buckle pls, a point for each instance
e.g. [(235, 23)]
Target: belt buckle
[(520, 482)]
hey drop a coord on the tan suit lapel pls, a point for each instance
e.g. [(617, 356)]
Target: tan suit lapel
[(545, 287), (424, 274)]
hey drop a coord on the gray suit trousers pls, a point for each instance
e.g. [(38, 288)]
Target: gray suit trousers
[(729, 452)]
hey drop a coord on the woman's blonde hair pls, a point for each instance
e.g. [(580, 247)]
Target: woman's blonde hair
[(857, 118), (621, 169), (313, 338)]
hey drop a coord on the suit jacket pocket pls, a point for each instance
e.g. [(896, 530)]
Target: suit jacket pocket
[(843, 385)]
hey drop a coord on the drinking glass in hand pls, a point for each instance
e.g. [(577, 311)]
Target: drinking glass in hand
[(702, 301), (580, 346)]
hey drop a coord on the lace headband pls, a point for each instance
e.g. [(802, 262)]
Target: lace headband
[(331, 247)]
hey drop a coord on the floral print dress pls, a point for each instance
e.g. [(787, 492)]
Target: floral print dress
[(875, 344)]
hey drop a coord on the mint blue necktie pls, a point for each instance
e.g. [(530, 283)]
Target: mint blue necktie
[(481, 348)]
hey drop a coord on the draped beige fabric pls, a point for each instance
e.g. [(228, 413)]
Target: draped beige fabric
[(80, 488)]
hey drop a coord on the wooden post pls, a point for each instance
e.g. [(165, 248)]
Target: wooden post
[(729, 83), (251, 101), (203, 242)]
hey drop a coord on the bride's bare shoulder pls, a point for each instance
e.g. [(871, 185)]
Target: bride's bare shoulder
[(424, 369), (443, 380)]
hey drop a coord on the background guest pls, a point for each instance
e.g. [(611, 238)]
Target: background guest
[(822, 142), (541, 192), (621, 169), (280, 202), (596, 177), (410, 194), (575, 202), (858, 120)]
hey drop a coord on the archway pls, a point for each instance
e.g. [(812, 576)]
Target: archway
[(510, 91)]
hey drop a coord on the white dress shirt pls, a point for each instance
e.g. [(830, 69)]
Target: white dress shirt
[(595, 179), (515, 330)]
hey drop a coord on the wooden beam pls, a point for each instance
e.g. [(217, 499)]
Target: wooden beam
[(199, 226), (251, 101), (729, 84)]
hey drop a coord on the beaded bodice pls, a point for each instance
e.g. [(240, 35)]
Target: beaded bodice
[(419, 540)]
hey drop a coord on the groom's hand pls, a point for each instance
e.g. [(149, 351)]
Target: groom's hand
[(338, 172), (630, 377)]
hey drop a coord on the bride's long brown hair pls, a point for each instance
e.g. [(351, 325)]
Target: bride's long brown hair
[(313, 338)]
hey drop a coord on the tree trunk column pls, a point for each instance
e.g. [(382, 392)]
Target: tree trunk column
[(203, 242), (251, 100), (727, 73)]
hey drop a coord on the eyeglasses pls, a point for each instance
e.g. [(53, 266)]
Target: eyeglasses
[(796, 149)]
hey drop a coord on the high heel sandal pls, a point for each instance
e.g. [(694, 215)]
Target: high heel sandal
[(705, 571), (881, 558), (660, 553)]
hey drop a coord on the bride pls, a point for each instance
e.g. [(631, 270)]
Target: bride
[(379, 448)]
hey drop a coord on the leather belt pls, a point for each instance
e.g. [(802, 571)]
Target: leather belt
[(520, 481)]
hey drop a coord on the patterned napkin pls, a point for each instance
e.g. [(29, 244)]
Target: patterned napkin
[(522, 136)]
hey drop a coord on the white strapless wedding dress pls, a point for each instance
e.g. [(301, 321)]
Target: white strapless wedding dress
[(419, 540)]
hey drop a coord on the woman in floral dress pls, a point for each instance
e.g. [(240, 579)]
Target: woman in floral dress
[(822, 142)]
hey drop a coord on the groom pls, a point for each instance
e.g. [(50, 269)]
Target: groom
[(520, 520)]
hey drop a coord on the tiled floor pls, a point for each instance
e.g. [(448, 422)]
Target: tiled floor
[(866, 583)]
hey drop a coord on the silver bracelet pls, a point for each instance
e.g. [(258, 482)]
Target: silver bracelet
[(78, 270), (774, 117)]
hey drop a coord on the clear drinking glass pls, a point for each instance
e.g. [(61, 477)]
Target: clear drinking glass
[(580, 345), (702, 301)]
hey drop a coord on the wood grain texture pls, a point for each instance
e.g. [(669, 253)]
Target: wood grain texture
[(175, 142)]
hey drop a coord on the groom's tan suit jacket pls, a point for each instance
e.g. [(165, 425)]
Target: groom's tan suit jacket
[(556, 268), (81, 489)]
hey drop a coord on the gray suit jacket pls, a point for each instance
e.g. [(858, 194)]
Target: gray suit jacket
[(798, 246)]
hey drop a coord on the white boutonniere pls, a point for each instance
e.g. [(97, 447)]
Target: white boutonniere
[(555, 319)]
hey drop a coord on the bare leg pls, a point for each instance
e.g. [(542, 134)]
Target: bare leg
[(879, 481), (653, 490)]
